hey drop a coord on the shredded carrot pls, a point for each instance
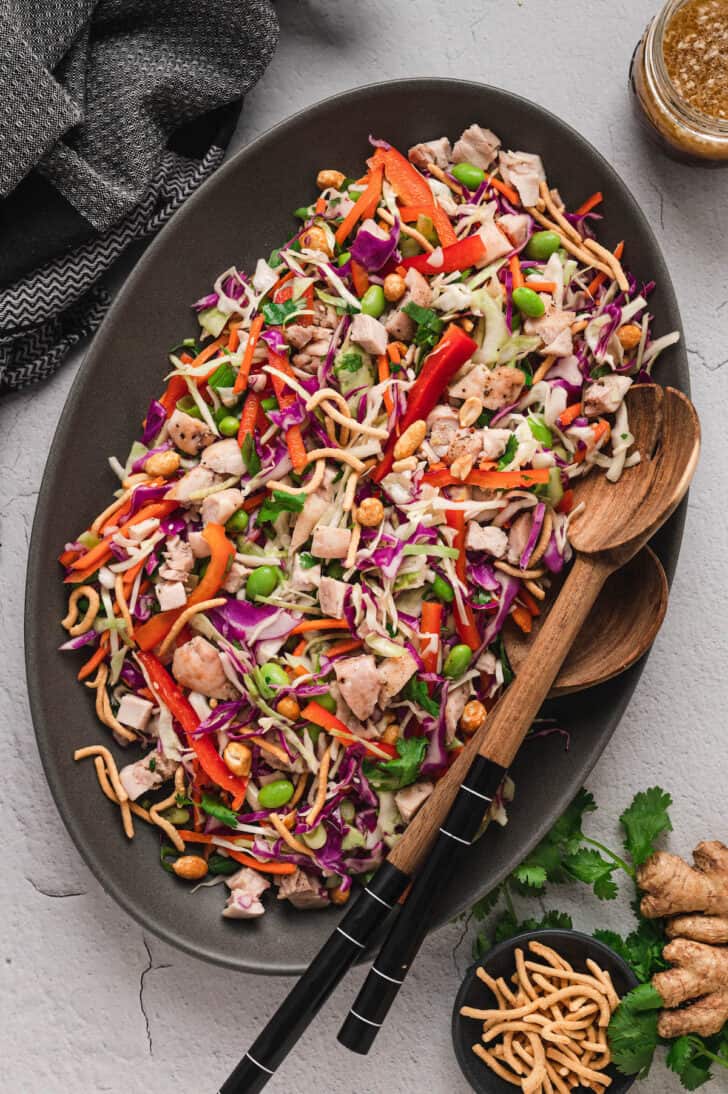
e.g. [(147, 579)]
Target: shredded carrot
[(241, 380), (600, 430), (359, 277), (588, 205), (382, 375), (541, 286), (365, 206), (249, 417), (130, 575), (296, 448), (347, 646), (320, 625), (567, 416), (601, 277), (503, 189), (320, 206), (66, 557), (529, 601), (234, 339), (300, 648), (279, 284), (204, 355), (393, 353), (95, 659), (263, 867), (515, 268), (522, 618)]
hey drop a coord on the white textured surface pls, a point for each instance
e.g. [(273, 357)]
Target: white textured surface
[(90, 1004)]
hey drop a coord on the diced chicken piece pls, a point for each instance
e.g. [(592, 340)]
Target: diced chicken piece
[(199, 478), (471, 383), (394, 672), (303, 579), (409, 800), (477, 146), (358, 681), (400, 326), (352, 723), (178, 560), (143, 529), (224, 458), (146, 774), (198, 543), (189, 434), (331, 597), (196, 665), (524, 171), (235, 578), (298, 335), (502, 387), (170, 594), (562, 345), (493, 541), (418, 289), (437, 152), (218, 508), (369, 333), (442, 425), (454, 707), (303, 891), (314, 508), (486, 663), (518, 537), (497, 243), (134, 712), (330, 542), (466, 442), (324, 315), (494, 442), (516, 226), (247, 887), (605, 395), (320, 346), (550, 325)]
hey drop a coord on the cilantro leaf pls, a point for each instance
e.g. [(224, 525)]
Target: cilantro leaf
[(429, 324), (249, 452), (278, 314), (686, 1058), (416, 691), (350, 361), (215, 808), (401, 771), (632, 1031), (589, 866), (644, 821), (598, 371), (306, 560), (279, 503), (486, 904), (510, 451), (223, 376), (532, 874), (219, 864)]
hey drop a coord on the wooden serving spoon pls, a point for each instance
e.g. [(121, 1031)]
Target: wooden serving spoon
[(622, 626), (619, 519)]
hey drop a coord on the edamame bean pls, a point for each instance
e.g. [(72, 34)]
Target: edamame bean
[(229, 426), (373, 302), (458, 660), (470, 175), (238, 522), (542, 245), (269, 403), (443, 590), (343, 258), (261, 582), (528, 302), (274, 795), (274, 675)]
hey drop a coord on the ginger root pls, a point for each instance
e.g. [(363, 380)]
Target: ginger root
[(672, 886), (699, 975)]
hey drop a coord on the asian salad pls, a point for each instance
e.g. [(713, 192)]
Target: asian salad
[(356, 474)]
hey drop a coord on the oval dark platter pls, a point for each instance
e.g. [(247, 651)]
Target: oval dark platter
[(241, 213)]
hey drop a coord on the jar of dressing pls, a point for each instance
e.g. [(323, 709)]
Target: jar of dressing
[(679, 77)]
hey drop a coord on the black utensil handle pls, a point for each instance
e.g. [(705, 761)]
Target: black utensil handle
[(301, 1005), (400, 948)]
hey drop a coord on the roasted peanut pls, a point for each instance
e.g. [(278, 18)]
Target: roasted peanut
[(394, 287), (288, 708), (408, 464), (470, 411), (162, 463), (629, 335), (190, 867), (337, 896), (238, 758), (391, 734), (472, 717), (370, 513), (461, 467), (329, 178), (410, 440), (315, 239)]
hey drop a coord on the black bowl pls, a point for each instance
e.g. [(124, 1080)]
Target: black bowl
[(500, 961)]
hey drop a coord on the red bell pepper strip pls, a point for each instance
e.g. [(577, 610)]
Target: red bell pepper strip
[(284, 395), (489, 480), (366, 205), (450, 353), (412, 190), (466, 252), (464, 623), (431, 625), (156, 629), (314, 712), (176, 390), (179, 706)]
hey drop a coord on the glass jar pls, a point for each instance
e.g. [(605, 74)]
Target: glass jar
[(686, 47)]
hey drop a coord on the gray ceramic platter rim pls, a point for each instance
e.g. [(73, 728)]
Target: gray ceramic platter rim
[(241, 213)]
